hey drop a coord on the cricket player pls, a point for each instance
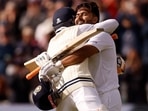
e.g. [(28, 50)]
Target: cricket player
[(102, 62), (79, 92)]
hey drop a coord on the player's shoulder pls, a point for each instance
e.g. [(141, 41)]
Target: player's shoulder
[(85, 27), (103, 36)]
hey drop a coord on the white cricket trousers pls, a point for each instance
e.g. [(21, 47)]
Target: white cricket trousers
[(112, 100), (82, 99)]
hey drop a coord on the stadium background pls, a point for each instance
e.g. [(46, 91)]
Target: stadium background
[(26, 28)]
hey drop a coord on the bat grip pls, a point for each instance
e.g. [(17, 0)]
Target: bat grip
[(33, 73)]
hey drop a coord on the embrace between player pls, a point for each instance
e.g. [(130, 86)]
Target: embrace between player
[(87, 79)]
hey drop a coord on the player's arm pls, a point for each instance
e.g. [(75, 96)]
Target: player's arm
[(89, 49), (109, 25), (79, 55)]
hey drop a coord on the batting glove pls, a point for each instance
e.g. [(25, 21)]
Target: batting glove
[(42, 59), (120, 65), (51, 71)]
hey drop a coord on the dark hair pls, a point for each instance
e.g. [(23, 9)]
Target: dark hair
[(92, 6)]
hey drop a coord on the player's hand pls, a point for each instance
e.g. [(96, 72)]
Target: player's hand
[(114, 36), (50, 71), (120, 65), (42, 59)]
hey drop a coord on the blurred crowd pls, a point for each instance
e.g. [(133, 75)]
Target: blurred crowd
[(26, 28)]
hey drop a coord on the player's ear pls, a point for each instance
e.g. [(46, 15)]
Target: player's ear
[(95, 19)]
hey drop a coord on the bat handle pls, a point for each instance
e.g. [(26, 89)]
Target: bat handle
[(33, 73)]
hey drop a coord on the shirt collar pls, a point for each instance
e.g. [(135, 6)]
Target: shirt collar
[(59, 29)]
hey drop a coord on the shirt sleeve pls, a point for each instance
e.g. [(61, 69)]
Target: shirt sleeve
[(101, 41), (109, 25)]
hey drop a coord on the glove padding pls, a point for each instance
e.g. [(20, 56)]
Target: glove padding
[(50, 72), (42, 59), (120, 65)]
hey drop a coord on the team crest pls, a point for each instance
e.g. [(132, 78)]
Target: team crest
[(58, 20), (37, 89)]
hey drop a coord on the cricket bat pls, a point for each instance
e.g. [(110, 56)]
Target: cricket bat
[(67, 49)]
